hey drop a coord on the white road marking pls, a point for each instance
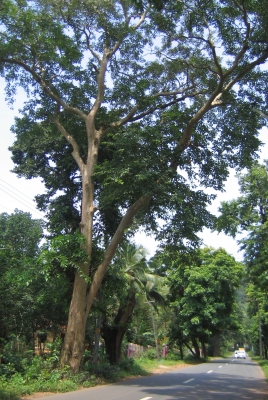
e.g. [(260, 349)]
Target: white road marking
[(146, 398), (210, 371), (220, 366), (189, 380)]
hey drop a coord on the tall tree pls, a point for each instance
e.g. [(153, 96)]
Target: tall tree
[(139, 100), (248, 215)]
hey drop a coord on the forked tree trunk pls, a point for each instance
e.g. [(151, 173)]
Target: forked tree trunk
[(84, 293)]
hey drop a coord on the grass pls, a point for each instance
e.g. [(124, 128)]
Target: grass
[(263, 364)]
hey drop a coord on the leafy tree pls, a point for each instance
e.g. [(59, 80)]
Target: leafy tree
[(248, 214), (204, 292), (123, 104), (258, 314), (20, 236), (33, 295)]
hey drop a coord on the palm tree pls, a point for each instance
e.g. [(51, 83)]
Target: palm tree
[(133, 279)]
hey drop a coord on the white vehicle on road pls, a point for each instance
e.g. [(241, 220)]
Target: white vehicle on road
[(240, 354)]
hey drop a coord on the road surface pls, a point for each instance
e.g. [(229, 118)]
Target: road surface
[(223, 379)]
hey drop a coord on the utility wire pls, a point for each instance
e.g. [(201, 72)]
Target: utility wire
[(18, 196), (27, 205), (8, 209), (15, 189)]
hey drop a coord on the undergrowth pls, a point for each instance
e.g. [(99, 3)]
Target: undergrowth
[(24, 374)]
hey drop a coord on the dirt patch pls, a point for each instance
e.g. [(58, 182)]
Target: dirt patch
[(36, 395), (164, 368)]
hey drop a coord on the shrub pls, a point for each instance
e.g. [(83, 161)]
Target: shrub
[(127, 364), (149, 354), (10, 395), (104, 371)]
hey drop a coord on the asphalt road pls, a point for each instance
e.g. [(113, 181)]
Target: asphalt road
[(220, 379)]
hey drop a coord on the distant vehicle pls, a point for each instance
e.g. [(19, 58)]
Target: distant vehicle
[(240, 354)]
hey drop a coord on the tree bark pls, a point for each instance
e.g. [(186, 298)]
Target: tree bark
[(196, 348), (113, 335), (204, 349), (97, 340), (74, 340), (181, 351), (217, 349)]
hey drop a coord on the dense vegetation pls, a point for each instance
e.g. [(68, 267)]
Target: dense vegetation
[(133, 110)]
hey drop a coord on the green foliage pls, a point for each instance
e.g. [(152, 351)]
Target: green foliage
[(131, 161), (204, 295), (248, 215), (104, 371), (149, 354), (20, 236), (8, 395)]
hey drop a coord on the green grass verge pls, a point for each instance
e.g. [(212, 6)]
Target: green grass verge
[(263, 364)]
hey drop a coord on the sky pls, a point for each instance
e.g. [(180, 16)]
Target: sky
[(19, 193)]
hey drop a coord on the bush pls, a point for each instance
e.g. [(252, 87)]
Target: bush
[(149, 354), (10, 395), (127, 364), (104, 371)]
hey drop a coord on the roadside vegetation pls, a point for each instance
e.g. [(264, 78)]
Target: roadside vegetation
[(263, 364), (28, 375)]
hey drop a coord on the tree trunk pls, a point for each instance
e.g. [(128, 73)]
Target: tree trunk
[(181, 351), (113, 335), (204, 349), (196, 348), (265, 352), (217, 349), (74, 340), (83, 294), (97, 340)]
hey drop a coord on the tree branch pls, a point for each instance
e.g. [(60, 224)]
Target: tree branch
[(72, 141), (111, 249), (44, 86)]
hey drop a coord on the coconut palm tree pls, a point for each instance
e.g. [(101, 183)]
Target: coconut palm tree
[(131, 278)]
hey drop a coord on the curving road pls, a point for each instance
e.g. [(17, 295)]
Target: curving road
[(223, 379)]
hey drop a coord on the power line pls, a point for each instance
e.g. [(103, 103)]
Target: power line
[(26, 205), (15, 189), (8, 209), (30, 205)]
